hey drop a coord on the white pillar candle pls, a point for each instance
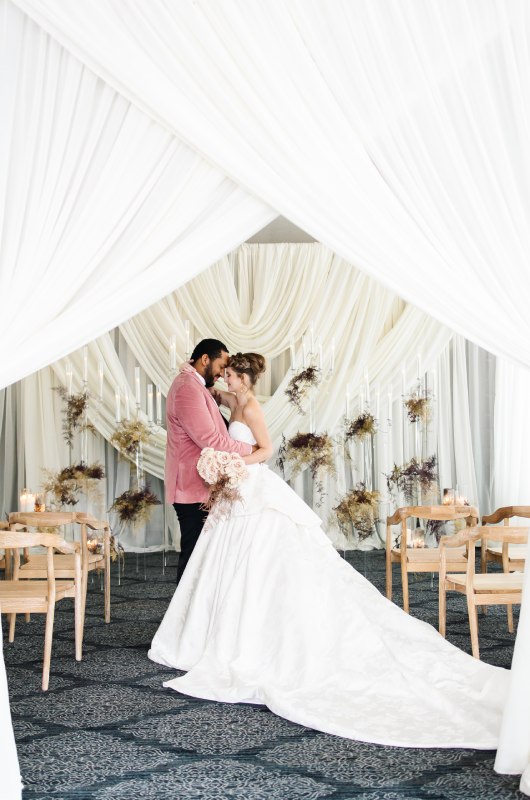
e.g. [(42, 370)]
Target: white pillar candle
[(117, 404), (403, 381), (367, 386), (389, 402), (127, 404), (137, 386), (293, 355), (100, 375), (332, 354), (69, 377), (150, 402), (158, 405), (173, 352), (188, 340), (377, 403), (22, 500), (30, 502), (85, 364)]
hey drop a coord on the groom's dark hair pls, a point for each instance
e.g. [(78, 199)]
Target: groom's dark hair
[(209, 347)]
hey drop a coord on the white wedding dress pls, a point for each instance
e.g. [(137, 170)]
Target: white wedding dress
[(268, 612)]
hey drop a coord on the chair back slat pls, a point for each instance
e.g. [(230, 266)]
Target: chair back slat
[(42, 519), (18, 539), (440, 512), (505, 514)]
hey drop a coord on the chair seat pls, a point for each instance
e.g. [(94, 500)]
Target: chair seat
[(490, 581), (431, 555), (515, 551), (27, 595), (63, 565)]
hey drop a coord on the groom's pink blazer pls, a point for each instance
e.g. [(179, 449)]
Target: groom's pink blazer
[(193, 422)]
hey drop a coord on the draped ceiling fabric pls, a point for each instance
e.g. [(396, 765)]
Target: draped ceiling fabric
[(102, 211), (408, 157), (394, 133)]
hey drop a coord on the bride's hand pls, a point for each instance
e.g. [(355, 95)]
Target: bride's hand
[(215, 394)]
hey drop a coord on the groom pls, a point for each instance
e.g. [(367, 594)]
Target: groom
[(194, 422)]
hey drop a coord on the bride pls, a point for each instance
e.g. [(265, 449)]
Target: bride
[(268, 612)]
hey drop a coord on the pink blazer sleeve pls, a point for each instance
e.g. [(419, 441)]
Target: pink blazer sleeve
[(196, 418)]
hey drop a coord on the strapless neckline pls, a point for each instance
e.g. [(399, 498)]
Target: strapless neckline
[(238, 422), (241, 434)]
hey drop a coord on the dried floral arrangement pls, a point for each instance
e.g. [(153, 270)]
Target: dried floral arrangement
[(358, 508), (128, 436), (64, 486), (134, 506), (362, 426), (419, 407), (300, 384), (412, 476), (73, 413), (436, 527), (311, 450), (223, 472)]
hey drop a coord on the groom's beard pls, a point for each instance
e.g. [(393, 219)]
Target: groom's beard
[(208, 376)]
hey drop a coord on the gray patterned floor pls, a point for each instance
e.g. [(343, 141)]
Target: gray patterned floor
[(107, 729)]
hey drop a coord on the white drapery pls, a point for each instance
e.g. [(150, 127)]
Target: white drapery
[(376, 333), (102, 211), (408, 159)]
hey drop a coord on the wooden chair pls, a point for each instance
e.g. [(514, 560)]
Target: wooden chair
[(35, 565), (512, 557), (484, 589), (4, 526), (40, 596), (422, 559)]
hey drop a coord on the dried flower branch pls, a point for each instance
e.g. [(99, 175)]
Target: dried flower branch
[(362, 426), (134, 506), (128, 436), (413, 476), (300, 385), (311, 450), (358, 508), (73, 413), (65, 485), (419, 406)]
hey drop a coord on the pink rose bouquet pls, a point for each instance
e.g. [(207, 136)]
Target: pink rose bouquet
[(224, 473)]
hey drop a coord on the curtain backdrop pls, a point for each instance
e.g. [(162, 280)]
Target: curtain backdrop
[(409, 159), (377, 337), (102, 211)]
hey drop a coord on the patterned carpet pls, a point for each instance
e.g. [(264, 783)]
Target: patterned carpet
[(107, 729)]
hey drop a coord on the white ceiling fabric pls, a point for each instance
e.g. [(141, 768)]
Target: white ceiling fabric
[(394, 133)]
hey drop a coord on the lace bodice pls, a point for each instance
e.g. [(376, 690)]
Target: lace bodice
[(241, 432)]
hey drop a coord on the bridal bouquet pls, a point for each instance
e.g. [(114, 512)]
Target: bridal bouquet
[(224, 472)]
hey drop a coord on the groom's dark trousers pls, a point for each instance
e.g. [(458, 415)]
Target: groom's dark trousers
[(191, 517)]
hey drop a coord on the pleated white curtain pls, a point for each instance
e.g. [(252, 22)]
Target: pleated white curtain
[(102, 211), (376, 335), (408, 158)]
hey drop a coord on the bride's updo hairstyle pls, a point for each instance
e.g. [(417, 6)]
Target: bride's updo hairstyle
[(251, 364)]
